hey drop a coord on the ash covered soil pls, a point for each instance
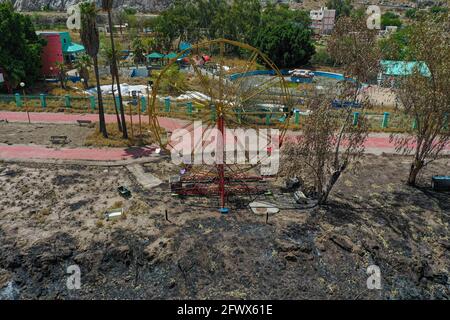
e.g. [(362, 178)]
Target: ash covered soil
[(51, 217)]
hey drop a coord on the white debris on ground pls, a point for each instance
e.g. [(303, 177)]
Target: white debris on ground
[(125, 89), (114, 214), (262, 207), (189, 95)]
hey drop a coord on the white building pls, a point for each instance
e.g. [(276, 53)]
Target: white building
[(322, 20)]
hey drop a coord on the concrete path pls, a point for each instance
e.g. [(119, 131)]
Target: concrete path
[(377, 143), (145, 179)]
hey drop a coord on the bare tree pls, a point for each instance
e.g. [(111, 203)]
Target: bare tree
[(107, 5), (332, 135), (425, 95)]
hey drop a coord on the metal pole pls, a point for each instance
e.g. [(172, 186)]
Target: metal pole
[(131, 121), (139, 114), (24, 101), (220, 166)]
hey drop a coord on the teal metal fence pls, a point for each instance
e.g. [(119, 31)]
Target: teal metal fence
[(186, 109)]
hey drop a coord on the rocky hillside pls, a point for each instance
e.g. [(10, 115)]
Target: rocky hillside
[(159, 5), (60, 5)]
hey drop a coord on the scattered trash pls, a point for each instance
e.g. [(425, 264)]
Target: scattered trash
[(175, 183), (167, 215), (124, 192), (300, 197), (261, 207), (440, 183), (59, 140), (113, 214), (87, 123), (158, 150), (224, 210)]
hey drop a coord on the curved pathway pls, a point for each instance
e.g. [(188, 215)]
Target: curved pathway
[(377, 143)]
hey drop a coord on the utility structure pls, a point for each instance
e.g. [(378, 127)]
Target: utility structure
[(237, 88)]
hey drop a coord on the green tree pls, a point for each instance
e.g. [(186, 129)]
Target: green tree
[(173, 82), (285, 36), (83, 64), (243, 30), (121, 17), (174, 23), (138, 51), (411, 13), (390, 19), (20, 47), (90, 38), (342, 7), (396, 46), (322, 58), (438, 10)]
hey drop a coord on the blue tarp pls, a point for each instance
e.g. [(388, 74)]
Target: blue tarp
[(403, 68)]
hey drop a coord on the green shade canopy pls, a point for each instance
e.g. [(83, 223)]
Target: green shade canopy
[(74, 48), (171, 55), (403, 68), (155, 55)]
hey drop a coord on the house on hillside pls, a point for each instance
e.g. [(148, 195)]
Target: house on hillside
[(59, 48), (323, 20)]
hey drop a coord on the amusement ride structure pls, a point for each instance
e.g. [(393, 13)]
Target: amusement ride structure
[(225, 85)]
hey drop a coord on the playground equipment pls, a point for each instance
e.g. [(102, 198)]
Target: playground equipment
[(223, 103)]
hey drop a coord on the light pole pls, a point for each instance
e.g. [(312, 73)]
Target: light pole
[(82, 89), (22, 85)]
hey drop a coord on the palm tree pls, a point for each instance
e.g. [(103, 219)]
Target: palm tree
[(83, 65), (107, 55), (90, 38), (107, 6), (138, 51)]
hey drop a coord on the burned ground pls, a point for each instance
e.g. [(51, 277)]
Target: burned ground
[(52, 217)]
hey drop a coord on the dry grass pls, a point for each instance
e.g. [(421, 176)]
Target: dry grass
[(115, 139)]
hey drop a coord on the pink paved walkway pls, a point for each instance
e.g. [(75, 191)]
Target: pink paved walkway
[(42, 152), (376, 143)]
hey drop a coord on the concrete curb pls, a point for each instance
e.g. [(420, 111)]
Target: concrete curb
[(96, 163)]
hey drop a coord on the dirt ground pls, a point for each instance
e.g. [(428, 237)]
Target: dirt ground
[(40, 133), (51, 217)]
